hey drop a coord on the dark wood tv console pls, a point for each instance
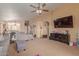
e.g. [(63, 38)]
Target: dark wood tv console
[(59, 37)]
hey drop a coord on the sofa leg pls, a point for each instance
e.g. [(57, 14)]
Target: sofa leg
[(17, 51), (24, 49)]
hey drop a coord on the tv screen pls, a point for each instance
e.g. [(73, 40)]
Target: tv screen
[(64, 22)]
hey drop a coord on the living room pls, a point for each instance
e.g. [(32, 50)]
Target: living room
[(40, 26)]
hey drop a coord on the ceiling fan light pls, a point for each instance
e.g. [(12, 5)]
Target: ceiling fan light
[(39, 11)]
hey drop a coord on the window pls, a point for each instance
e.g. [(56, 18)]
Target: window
[(13, 26)]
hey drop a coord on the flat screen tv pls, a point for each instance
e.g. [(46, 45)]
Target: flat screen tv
[(64, 22)]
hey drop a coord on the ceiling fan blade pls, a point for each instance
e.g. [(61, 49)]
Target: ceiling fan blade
[(33, 11), (33, 6), (44, 4), (38, 6), (45, 10)]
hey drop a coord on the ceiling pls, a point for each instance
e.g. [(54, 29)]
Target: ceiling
[(20, 11)]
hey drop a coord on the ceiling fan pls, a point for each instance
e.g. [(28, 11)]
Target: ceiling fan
[(40, 8)]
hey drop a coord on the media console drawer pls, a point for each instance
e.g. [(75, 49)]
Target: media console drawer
[(59, 37)]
